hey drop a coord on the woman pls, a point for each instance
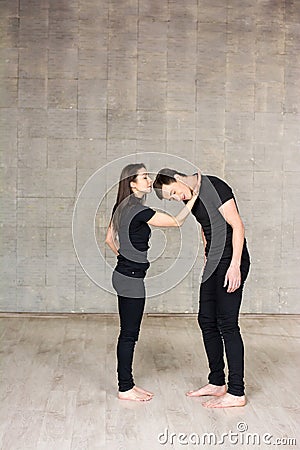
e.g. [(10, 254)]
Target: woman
[(130, 222)]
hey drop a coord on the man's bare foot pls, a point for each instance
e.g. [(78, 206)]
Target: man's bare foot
[(139, 389), (133, 394), (208, 389), (225, 401)]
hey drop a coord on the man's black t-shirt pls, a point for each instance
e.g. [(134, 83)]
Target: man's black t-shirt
[(134, 234), (213, 193)]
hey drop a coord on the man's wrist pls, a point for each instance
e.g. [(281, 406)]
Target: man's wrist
[(235, 263)]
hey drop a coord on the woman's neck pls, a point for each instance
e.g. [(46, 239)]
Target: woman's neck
[(138, 195)]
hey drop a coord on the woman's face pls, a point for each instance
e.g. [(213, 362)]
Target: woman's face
[(143, 183)]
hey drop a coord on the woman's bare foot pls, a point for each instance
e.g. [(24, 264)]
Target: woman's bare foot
[(139, 389), (133, 394), (225, 401), (208, 389)]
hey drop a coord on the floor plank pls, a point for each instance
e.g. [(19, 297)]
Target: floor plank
[(58, 383)]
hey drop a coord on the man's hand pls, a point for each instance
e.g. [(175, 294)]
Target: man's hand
[(233, 278)]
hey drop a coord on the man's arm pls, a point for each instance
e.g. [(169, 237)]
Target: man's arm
[(231, 215)]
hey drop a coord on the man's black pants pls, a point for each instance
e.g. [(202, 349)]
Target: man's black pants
[(218, 320)]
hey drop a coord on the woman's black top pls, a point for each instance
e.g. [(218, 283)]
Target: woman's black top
[(134, 234)]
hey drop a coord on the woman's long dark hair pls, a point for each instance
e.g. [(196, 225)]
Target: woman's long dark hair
[(125, 195)]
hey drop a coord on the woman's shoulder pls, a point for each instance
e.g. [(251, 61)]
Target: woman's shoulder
[(142, 212)]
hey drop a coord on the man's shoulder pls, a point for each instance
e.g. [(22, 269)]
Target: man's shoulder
[(215, 189), (215, 181), (214, 178)]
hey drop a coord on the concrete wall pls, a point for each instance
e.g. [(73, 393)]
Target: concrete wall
[(84, 82)]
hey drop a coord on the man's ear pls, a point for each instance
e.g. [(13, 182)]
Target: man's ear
[(178, 177)]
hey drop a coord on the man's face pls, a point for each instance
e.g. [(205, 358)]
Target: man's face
[(177, 191)]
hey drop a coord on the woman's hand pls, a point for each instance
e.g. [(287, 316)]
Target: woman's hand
[(195, 191), (233, 278)]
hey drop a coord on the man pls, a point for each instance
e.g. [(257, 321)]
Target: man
[(226, 268)]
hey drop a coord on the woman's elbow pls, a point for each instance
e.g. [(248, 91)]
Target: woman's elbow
[(176, 224)]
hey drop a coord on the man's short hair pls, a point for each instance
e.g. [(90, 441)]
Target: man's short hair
[(165, 176)]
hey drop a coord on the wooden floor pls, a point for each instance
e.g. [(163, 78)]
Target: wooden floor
[(58, 384)]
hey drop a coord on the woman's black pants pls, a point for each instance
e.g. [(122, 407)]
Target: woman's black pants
[(218, 320), (131, 302)]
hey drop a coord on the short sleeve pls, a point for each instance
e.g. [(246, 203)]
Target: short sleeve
[(223, 190), (145, 214)]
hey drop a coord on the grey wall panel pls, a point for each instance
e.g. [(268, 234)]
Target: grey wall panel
[(84, 83)]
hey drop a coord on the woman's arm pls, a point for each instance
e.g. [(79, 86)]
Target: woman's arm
[(231, 215), (164, 220), (111, 239), (203, 237), (204, 242)]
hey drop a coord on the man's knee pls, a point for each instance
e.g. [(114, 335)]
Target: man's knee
[(206, 323), (228, 325), (129, 335)]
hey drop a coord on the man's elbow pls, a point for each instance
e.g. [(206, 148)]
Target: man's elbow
[(239, 226)]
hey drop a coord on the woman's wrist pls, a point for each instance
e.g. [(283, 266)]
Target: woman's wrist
[(192, 200)]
